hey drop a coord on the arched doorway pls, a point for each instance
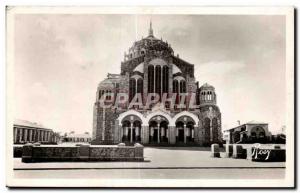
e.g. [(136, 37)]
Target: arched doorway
[(258, 135), (158, 130), (164, 132), (125, 128), (190, 132), (179, 132), (131, 129), (185, 129), (153, 132), (136, 131)]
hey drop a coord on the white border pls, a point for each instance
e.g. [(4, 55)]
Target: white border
[(287, 182)]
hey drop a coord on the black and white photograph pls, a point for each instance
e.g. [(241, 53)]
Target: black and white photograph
[(150, 97)]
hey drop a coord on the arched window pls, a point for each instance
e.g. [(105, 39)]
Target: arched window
[(140, 85), (157, 79), (150, 79), (175, 86), (100, 94), (176, 90), (132, 88), (165, 79), (182, 86)]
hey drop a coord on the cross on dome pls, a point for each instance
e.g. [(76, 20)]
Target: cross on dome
[(151, 30)]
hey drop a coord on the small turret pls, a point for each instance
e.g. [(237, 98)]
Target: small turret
[(207, 95)]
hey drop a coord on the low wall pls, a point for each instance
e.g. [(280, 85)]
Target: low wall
[(18, 151), (266, 155), (32, 153)]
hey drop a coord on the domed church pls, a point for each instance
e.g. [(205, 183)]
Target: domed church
[(155, 100)]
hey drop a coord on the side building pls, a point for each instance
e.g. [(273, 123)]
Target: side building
[(29, 132), (73, 137), (250, 132)]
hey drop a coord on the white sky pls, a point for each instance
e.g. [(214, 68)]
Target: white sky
[(60, 59)]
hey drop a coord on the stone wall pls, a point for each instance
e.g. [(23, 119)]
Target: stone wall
[(32, 153), (105, 119)]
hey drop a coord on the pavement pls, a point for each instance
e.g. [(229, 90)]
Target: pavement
[(160, 163), (159, 158)]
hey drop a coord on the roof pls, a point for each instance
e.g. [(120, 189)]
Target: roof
[(109, 82), (176, 69), (79, 135), (206, 85), (139, 68), (26, 123), (248, 123), (256, 123)]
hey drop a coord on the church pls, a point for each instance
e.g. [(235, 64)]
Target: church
[(181, 112)]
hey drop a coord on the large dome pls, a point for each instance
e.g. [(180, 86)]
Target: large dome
[(148, 45)]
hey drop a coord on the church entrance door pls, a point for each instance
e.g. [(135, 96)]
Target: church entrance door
[(180, 135)]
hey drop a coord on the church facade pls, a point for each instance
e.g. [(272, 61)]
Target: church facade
[(155, 100)]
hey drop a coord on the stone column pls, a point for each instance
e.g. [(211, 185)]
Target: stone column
[(184, 131), (145, 138), (30, 135), (21, 135), (15, 134), (38, 136), (42, 135), (121, 133), (172, 134), (25, 134), (167, 133), (34, 135), (48, 136), (158, 132), (45, 135), (131, 132)]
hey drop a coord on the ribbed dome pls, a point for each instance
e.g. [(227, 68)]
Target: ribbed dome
[(147, 45), (151, 43), (207, 86)]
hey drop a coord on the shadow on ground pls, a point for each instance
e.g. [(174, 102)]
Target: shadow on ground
[(185, 148)]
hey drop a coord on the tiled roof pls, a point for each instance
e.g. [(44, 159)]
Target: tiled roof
[(28, 124)]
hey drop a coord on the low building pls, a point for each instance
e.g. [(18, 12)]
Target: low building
[(74, 137), (29, 132), (251, 132)]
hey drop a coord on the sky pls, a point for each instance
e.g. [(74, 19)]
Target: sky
[(60, 59)]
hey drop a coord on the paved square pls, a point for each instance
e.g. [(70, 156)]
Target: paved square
[(161, 162)]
